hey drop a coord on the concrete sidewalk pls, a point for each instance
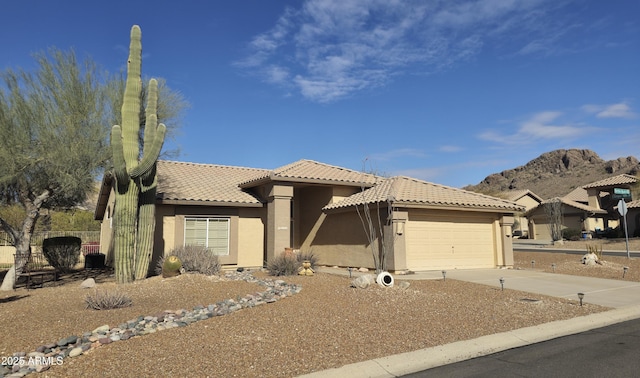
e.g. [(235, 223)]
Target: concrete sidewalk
[(622, 295)]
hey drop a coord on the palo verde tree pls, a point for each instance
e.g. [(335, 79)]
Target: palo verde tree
[(135, 171), (53, 141)]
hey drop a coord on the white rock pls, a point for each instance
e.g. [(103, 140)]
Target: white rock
[(102, 329), (590, 259), (403, 284), (75, 352), (88, 283)]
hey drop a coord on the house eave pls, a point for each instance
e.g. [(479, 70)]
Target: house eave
[(412, 205), (103, 196), (185, 202)]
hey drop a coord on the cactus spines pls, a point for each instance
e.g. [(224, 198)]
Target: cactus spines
[(135, 173), (171, 266)]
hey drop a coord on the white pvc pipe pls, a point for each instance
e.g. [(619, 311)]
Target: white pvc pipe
[(385, 279)]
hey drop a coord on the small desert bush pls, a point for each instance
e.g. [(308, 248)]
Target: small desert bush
[(572, 234), (107, 301), (195, 259), (289, 264), (62, 252)]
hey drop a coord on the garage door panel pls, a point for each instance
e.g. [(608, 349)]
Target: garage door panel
[(444, 243)]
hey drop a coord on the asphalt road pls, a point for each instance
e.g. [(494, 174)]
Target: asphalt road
[(612, 351)]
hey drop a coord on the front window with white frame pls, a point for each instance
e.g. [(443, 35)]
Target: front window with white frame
[(212, 233)]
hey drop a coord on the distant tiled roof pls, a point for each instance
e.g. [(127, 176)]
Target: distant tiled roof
[(215, 184), (312, 171), (578, 194), (612, 181), (410, 192), (514, 195), (577, 205), (633, 204)]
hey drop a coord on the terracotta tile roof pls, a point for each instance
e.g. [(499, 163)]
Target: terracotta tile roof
[(312, 171), (578, 194), (410, 192), (577, 205), (633, 204), (514, 195), (612, 181), (216, 184)]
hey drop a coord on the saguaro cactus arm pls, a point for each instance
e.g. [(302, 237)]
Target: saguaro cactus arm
[(119, 165), (153, 135), (151, 157), (131, 106)]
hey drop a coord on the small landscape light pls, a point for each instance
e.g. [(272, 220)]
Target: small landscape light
[(349, 269), (444, 275), (624, 271), (580, 296), (502, 283), (553, 266), (533, 264)]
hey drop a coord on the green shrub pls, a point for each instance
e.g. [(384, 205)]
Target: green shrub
[(107, 301), (571, 234), (195, 259), (62, 252)]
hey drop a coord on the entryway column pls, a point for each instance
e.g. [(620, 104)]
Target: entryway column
[(506, 227), (278, 220), (395, 238)]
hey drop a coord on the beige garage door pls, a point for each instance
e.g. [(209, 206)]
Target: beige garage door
[(443, 242)]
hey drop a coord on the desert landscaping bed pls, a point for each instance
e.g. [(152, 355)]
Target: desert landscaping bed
[(328, 324), (612, 267)]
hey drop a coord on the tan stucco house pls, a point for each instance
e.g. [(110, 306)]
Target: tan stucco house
[(588, 208), (248, 216), (529, 200)]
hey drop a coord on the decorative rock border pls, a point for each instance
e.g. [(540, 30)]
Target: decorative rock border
[(45, 356)]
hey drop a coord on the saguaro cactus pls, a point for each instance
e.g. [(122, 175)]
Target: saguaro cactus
[(135, 173)]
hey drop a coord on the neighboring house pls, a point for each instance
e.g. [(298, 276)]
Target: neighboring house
[(633, 218), (575, 215), (589, 208), (525, 198), (249, 216)]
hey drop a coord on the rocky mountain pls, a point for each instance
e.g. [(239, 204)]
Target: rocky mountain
[(556, 173)]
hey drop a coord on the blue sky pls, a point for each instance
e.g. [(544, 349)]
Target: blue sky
[(444, 91)]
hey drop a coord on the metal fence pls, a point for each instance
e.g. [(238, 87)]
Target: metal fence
[(87, 237)]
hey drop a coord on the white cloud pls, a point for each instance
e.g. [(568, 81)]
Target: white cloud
[(331, 49), (540, 126), (619, 110)]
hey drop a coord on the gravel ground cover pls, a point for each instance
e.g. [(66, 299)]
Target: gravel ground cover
[(612, 267), (328, 324)]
